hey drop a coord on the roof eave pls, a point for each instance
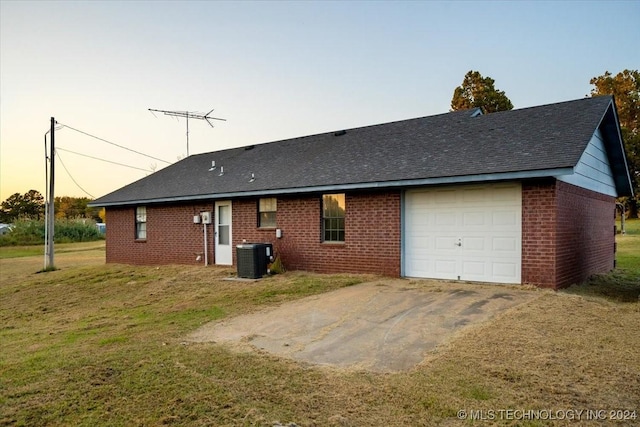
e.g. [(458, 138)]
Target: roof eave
[(610, 128), (501, 176)]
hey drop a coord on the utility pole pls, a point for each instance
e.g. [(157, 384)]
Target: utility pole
[(50, 206), (187, 115)]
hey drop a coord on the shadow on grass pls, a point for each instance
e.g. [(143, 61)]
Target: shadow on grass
[(620, 286)]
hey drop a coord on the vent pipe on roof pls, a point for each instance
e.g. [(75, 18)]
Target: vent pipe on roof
[(221, 171), (213, 165)]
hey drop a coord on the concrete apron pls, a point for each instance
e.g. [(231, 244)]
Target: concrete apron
[(384, 326)]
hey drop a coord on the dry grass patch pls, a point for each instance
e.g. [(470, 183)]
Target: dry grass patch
[(103, 345), (559, 352)]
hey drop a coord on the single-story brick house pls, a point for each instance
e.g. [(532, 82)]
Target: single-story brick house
[(521, 196)]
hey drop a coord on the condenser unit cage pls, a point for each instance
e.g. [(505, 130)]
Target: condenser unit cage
[(253, 259)]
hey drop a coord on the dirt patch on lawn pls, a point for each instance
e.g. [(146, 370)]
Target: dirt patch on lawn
[(385, 326)]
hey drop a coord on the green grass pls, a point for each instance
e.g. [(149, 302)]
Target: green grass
[(623, 284), (628, 256), (98, 345), (34, 250)]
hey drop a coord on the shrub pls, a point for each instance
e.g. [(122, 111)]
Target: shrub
[(24, 232), (31, 232), (81, 230)]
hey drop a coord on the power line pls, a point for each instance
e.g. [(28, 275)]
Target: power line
[(117, 145), (104, 160), (72, 179)]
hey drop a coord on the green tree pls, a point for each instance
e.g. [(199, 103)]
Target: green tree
[(29, 206), (478, 91), (625, 87), (75, 207)]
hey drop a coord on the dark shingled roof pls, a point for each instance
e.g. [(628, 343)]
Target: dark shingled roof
[(458, 146)]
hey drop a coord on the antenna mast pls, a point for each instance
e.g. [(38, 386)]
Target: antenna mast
[(187, 115)]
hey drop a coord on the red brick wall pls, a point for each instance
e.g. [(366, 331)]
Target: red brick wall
[(585, 234), (372, 234), (538, 233), (172, 237), (567, 233)]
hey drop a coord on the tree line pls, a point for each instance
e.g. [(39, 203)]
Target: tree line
[(31, 206), (478, 91)]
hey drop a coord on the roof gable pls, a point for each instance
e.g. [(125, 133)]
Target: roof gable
[(454, 147)]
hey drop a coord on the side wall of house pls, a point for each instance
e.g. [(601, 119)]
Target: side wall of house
[(372, 233), (585, 234), (567, 233), (172, 237)]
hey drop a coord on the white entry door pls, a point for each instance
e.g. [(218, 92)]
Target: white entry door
[(223, 246), (464, 233)]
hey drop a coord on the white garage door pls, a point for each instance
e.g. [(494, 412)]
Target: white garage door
[(464, 233)]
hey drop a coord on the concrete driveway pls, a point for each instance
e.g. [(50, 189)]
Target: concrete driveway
[(386, 326)]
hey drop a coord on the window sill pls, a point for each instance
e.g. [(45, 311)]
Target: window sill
[(334, 243), (140, 240)]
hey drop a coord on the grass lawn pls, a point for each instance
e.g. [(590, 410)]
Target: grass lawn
[(624, 282), (94, 344), (25, 251)]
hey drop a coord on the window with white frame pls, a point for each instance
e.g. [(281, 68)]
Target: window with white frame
[(333, 213), (141, 223), (267, 208)]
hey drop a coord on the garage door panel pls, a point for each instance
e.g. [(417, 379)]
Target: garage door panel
[(420, 229), (470, 219), (507, 271), (445, 243), (505, 193), (444, 268), (470, 244), (421, 269), (484, 219), (445, 219), (504, 218), (474, 194), (441, 197), (504, 244), (473, 268)]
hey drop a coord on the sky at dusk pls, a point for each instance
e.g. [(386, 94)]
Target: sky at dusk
[(273, 70)]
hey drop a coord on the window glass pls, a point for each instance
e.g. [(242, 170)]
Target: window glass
[(141, 222), (224, 220), (333, 212), (223, 234), (223, 214)]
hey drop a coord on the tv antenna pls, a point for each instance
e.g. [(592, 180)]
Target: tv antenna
[(189, 115)]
